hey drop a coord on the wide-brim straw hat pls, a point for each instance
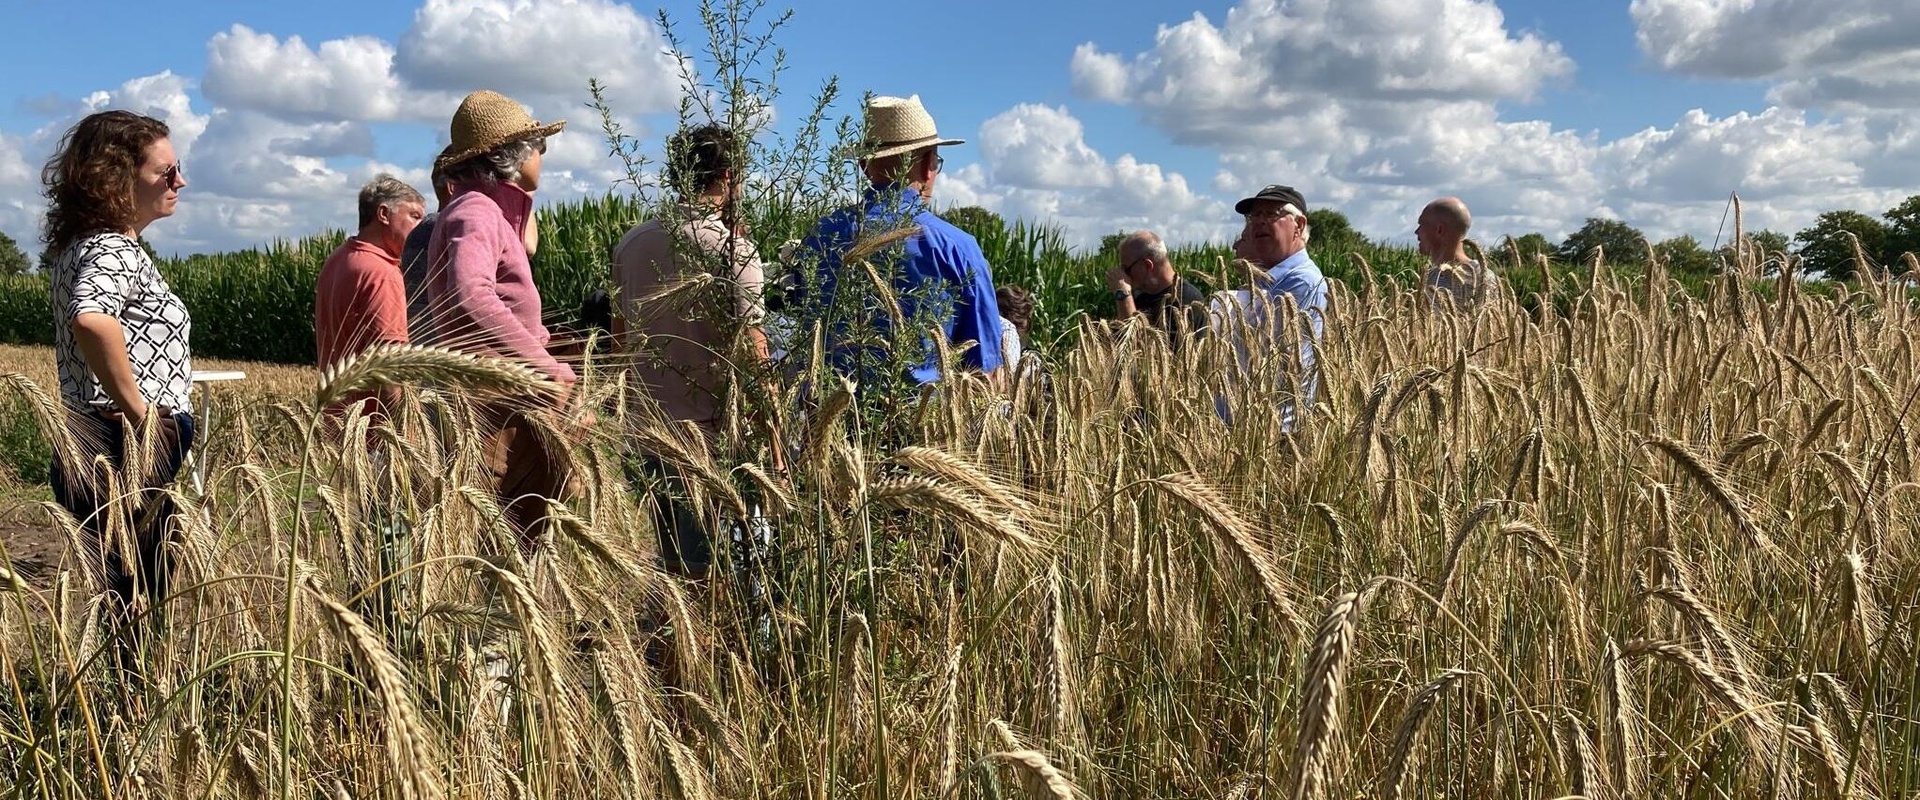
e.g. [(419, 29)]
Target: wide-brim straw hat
[(488, 119), (898, 125)]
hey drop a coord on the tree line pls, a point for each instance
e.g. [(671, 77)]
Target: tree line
[(1825, 248)]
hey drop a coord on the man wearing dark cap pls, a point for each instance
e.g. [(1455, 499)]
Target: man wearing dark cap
[(1275, 240)]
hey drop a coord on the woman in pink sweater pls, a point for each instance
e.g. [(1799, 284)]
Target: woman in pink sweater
[(481, 295)]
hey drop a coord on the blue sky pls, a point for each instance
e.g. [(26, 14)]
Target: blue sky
[(1094, 116)]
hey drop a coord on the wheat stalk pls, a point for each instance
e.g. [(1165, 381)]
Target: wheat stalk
[(1317, 749), (1238, 533), (1717, 489), (400, 364), (1057, 784), (412, 754), (1406, 734)]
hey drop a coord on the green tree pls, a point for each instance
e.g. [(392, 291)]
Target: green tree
[(1528, 247), (983, 224), (1617, 240), (1827, 249), (1765, 247), (1683, 254), (1110, 244), (13, 261), (1334, 234), (1903, 233)]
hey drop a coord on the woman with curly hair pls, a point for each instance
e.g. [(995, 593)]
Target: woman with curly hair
[(120, 340)]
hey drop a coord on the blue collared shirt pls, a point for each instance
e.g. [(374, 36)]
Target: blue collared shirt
[(939, 272), (1297, 278)]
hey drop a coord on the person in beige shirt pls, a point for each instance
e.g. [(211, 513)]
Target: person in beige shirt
[(690, 295), (1451, 276)]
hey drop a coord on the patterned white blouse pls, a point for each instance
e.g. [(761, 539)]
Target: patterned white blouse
[(108, 273)]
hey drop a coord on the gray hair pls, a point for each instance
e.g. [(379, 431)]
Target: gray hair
[(499, 165), (388, 192), (1143, 244)]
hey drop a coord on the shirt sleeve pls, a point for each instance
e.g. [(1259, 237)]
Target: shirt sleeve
[(472, 251), (749, 281), (977, 314), (104, 284)]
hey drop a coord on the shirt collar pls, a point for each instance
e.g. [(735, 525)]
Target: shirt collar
[(1289, 264), (900, 195), (694, 210), (514, 202), (360, 245)]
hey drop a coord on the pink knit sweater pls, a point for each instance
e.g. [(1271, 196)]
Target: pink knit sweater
[(479, 285)]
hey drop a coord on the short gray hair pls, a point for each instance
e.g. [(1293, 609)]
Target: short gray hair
[(1143, 244), (499, 165), (388, 192)]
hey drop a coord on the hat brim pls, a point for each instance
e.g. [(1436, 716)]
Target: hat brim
[(1246, 205), (896, 148), (447, 159)]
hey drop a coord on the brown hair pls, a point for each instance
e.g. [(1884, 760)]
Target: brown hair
[(90, 178), (1016, 304), (696, 157)]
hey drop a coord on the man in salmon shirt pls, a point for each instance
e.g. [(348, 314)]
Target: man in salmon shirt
[(360, 299), (481, 296)]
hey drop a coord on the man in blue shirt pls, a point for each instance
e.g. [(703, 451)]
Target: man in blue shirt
[(1275, 239), (938, 275)]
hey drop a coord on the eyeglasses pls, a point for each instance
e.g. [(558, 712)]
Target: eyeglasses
[(540, 145), (1128, 266), (175, 173), (939, 162), (1265, 215)]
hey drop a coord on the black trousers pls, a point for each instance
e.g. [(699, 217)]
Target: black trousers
[(147, 510)]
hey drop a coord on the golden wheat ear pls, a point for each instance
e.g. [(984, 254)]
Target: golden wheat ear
[(401, 364), (51, 418), (410, 750)]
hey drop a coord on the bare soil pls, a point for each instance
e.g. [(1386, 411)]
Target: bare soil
[(34, 547)]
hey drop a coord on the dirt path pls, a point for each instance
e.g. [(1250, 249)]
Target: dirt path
[(35, 548)]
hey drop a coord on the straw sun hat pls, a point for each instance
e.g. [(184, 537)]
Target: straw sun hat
[(489, 119), (898, 125)]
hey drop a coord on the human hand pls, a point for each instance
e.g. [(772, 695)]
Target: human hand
[(1118, 280)]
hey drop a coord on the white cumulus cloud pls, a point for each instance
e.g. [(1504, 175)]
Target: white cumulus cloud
[(348, 79), (1037, 165), (1842, 54), (535, 50), (1375, 107), (1321, 60)]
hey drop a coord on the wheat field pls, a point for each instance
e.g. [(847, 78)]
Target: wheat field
[(1650, 547)]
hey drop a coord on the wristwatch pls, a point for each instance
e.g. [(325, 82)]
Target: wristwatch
[(1122, 294)]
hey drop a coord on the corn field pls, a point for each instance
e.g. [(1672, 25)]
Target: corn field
[(257, 304), (1656, 545)]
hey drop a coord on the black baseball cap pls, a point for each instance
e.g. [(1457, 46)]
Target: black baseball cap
[(1276, 193)]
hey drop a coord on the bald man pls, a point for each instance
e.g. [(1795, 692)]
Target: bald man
[(1442, 232)]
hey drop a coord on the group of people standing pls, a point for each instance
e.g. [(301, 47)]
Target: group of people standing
[(461, 278)]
